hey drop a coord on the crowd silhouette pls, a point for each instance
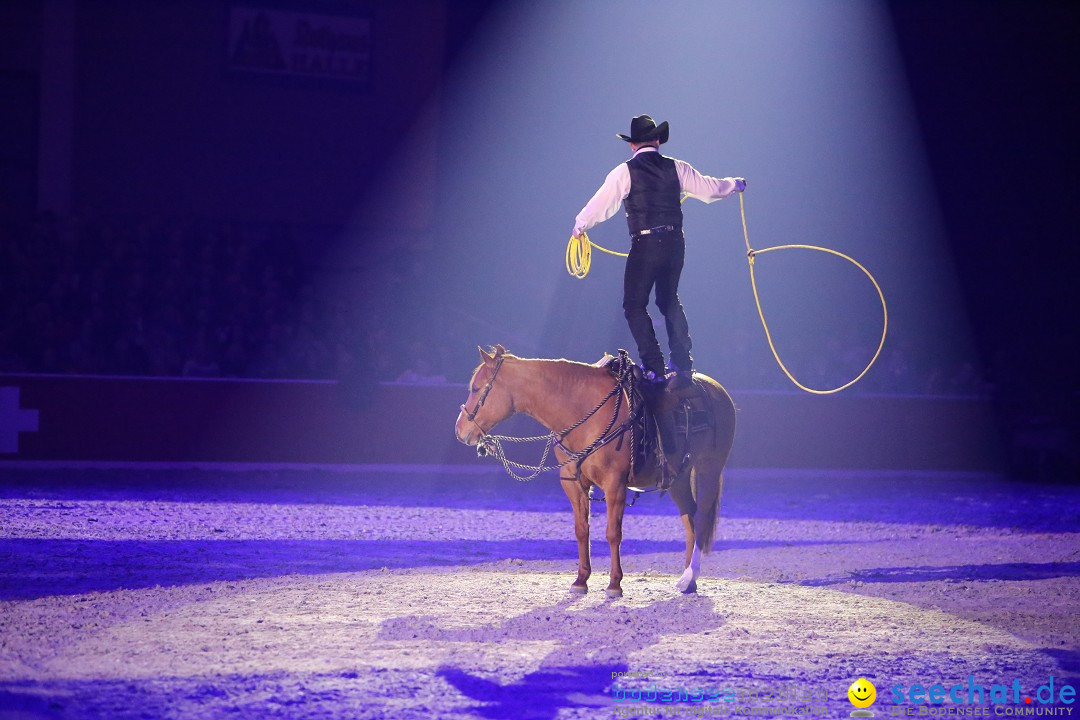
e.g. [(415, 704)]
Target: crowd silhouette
[(168, 298)]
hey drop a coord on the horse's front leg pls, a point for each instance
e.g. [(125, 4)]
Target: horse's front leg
[(579, 500), (615, 495)]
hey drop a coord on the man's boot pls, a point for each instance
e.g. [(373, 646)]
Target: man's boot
[(663, 403), (679, 386)]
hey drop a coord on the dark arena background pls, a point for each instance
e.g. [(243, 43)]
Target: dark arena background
[(247, 252)]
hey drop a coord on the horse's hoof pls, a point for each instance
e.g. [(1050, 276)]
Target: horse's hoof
[(576, 589), (614, 592), (687, 583)]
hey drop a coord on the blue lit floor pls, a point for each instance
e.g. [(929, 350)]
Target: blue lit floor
[(210, 593)]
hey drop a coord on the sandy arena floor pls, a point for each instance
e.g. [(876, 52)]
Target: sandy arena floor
[(308, 594)]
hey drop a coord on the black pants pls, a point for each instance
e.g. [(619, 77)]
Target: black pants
[(657, 260)]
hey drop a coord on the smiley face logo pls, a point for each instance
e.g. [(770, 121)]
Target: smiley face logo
[(862, 693)]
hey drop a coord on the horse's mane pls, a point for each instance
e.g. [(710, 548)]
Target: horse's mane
[(548, 362)]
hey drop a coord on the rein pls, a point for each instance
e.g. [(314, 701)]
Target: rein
[(471, 416), (492, 444)]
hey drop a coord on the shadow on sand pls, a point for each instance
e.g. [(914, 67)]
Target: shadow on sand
[(956, 573)]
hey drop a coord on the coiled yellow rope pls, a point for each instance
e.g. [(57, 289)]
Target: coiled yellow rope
[(579, 261), (579, 255)]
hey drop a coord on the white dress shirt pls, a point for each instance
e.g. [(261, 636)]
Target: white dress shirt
[(616, 187)]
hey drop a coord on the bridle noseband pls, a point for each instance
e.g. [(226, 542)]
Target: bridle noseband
[(471, 415)]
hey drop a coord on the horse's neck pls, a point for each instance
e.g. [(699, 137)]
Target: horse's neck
[(558, 393)]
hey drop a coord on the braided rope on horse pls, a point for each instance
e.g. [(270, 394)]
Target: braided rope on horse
[(624, 385)]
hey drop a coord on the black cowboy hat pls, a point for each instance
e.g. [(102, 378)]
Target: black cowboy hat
[(643, 129)]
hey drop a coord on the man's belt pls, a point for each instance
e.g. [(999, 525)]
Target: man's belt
[(653, 230)]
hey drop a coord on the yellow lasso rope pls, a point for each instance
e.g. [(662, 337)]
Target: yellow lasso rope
[(579, 255), (751, 254), (579, 260)]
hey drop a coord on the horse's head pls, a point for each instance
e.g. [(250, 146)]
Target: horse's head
[(488, 403)]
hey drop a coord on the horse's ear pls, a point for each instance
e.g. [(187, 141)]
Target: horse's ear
[(484, 355), (500, 350)]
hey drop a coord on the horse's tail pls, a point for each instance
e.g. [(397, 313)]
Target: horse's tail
[(708, 512), (709, 474)]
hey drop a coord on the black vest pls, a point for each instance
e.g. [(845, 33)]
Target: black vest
[(654, 192)]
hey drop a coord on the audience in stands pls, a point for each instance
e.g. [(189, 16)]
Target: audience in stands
[(157, 298)]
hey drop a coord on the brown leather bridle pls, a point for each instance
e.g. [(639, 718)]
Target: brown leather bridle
[(471, 416)]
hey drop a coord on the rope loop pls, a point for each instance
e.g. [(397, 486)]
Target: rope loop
[(751, 254)]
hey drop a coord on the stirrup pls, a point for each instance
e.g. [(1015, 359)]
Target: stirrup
[(669, 474), (667, 477)]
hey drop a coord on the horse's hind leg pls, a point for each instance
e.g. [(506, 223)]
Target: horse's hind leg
[(706, 484), (687, 582), (579, 500), (682, 494)]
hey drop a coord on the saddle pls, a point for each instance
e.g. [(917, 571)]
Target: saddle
[(665, 418)]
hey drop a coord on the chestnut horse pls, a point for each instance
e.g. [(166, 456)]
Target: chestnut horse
[(558, 394)]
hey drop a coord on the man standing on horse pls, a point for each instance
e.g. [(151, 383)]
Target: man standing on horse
[(652, 186)]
